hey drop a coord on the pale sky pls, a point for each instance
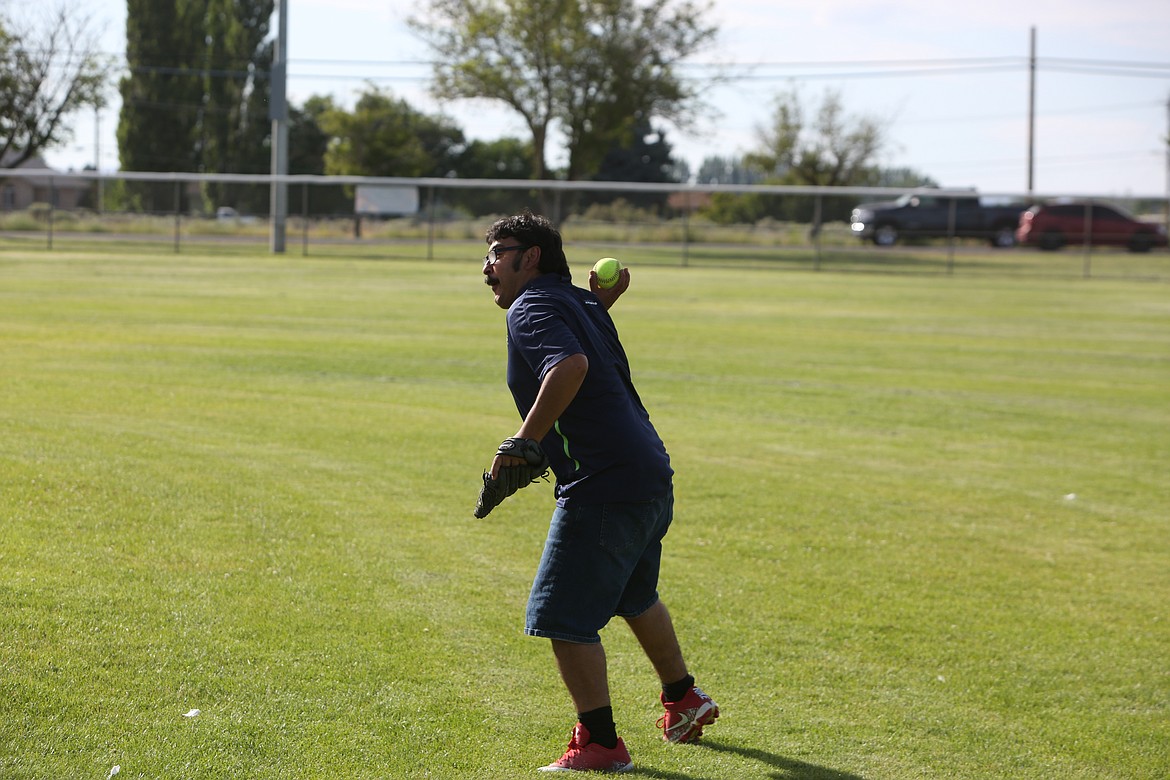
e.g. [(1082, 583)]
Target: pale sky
[(950, 80)]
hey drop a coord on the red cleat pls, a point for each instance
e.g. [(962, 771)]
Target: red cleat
[(684, 720), (585, 756)]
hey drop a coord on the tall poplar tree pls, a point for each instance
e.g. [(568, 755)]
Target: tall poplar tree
[(161, 95), (235, 127), (196, 97)]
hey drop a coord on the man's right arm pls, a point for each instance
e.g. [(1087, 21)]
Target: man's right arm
[(557, 391), (609, 297)]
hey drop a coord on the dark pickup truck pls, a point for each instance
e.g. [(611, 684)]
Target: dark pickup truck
[(926, 215)]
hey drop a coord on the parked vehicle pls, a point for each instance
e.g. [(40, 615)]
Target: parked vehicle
[(1052, 225), (922, 214)]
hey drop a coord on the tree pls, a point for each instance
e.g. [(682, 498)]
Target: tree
[(163, 92), (307, 140), (727, 170), (503, 158), (591, 67), (307, 145), (646, 158), (46, 75), (903, 177), (623, 76), (385, 136), (234, 127), (196, 95), (833, 150)]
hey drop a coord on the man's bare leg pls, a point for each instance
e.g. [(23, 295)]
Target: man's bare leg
[(688, 709), (655, 632), (583, 670), (595, 744)]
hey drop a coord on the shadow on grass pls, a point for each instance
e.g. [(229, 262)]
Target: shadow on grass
[(787, 768)]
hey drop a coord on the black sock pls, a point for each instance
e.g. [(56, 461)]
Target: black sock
[(600, 724), (677, 690)]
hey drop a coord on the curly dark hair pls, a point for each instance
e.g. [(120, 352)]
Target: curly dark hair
[(534, 230)]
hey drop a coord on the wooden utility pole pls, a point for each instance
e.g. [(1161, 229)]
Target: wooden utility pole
[(1032, 113), (1168, 166)]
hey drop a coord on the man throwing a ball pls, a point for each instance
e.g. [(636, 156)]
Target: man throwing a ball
[(570, 378)]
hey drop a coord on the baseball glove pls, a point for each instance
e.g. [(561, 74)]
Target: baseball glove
[(512, 478)]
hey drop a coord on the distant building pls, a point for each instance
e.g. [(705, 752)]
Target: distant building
[(19, 192)]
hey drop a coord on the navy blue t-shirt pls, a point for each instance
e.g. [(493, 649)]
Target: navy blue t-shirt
[(603, 448)]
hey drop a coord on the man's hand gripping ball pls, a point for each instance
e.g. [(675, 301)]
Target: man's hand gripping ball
[(532, 465)]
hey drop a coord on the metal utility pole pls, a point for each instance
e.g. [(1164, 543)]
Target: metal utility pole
[(1168, 165), (278, 113), (1032, 113)]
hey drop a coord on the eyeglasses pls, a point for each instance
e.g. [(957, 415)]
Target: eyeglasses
[(494, 255)]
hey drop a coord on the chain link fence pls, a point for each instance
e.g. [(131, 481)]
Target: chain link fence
[(807, 228)]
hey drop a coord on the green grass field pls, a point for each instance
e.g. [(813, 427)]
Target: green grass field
[(921, 531)]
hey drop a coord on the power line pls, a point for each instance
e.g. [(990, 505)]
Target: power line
[(363, 63), (788, 69), (1106, 64), (1054, 160), (1047, 113), (757, 71), (871, 74)]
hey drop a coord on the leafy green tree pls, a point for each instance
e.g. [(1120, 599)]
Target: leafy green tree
[(307, 145), (234, 126), (645, 158), (589, 67), (307, 141), (46, 75), (385, 136), (832, 149), (624, 74), (727, 170), (196, 95), (504, 158), (161, 96)]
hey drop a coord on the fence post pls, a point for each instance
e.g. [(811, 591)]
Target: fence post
[(816, 232), (686, 237), (1088, 240), (178, 211), (951, 219), (305, 219), (431, 222), (52, 201)]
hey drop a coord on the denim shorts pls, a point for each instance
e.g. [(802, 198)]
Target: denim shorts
[(599, 561)]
